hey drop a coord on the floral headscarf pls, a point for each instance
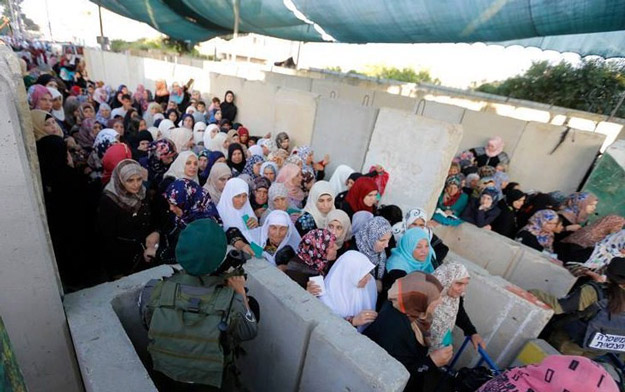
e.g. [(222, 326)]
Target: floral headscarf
[(304, 152), (366, 238), (445, 313), (313, 250), (575, 207), (536, 224), (588, 236), (194, 202), (159, 150), (610, 247), (104, 140), (249, 166)]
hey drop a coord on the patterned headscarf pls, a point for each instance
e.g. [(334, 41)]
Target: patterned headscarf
[(610, 247), (588, 236), (536, 224), (99, 117), (445, 313), (194, 202), (575, 207), (104, 140), (294, 159), (276, 190), (313, 250), (159, 150), (249, 166), (85, 137), (366, 238), (486, 171), (304, 152), (116, 190)]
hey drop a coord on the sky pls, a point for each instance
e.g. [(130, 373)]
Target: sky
[(456, 65)]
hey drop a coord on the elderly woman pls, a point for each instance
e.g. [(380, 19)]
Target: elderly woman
[(580, 245), (417, 217), (161, 154), (350, 289), (539, 231), (269, 170), (455, 279), (575, 212), (402, 325), (260, 195), (451, 203), (278, 238), (320, 202), (278, 199), (492, 154), (237, 215), (127, 235)]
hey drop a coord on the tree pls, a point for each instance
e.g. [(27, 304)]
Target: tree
[(29, 24), (594, 86), (403, 75)]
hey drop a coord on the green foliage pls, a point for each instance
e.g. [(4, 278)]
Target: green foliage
[(594, 86), (166, 45), (403, 75)]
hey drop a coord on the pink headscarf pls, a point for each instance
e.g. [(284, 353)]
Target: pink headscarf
[(138, 96), (35, 92), (285, 176), (556, 373), (494, 147)]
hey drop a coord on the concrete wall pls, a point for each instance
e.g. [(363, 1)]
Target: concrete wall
[(607, 180), (295, 113), (481, 126), (30, 303), (561, 170), (343, 130), (501, 256), (504, 315), (416, 151), (299, 339)]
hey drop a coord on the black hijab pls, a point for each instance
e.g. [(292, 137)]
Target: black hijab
[(236, 166), (228, 109)]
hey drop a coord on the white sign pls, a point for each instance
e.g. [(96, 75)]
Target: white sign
[(608, 342)]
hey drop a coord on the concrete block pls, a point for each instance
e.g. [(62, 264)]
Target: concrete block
[(481, 126), (504, 315), (441, 111), (561, 170), (343, 130), (256, 107), (30, 303), (221, 83), (289, 81), (515, 262), (294, 114), (416, 152), (326, 368), (534, 352), (383, 99), (607, 180), (326, 88)]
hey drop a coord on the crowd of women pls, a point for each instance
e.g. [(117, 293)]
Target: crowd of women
[(125, 172)]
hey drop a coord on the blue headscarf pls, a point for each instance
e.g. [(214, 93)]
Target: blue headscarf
[(194, 201), (249, 166), (401, 257), (212, 156)]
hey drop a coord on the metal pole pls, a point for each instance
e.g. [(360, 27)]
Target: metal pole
[(49, 21), (102, 43), (618, 105), (235, 7), (13, 17)]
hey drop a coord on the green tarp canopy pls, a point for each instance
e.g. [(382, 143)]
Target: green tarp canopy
[(582, 26)]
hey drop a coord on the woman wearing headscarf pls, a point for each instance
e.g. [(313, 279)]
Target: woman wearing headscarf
[(219, 143), (127, 235), (610, 247), (413, 253), (187, 121), (319, 203), (484, 211), (492, 154), (228, 108), (166, 126), (575, 212), (260, 194), (140, 99), (554, 374), (244, 136), (451, 204), (39, 97), (237, 215), (236, 159), (57, 105), (359, 220), (152, 109), (362, 196), (402, 325), (535, 202), (44, 124), (340, 197), (372, 240), (104, 114), (213, 157), (316, 249), (306, 153), (339, 178), (115, 154), (291, 176), (350, 289), (142, 145), (198, 136), (278, 199), (278, 238), (282, 141), (417, 217), (269, 170), (580, 245), (182, 138), (506, 222), (454, 278), (209, 134), (539, 231), (161, 94), (340, 225), (219, 175), (105, 139), (71, 107), (567, 332), (160, 157), (100, 96), (252, 167), (86, 135)]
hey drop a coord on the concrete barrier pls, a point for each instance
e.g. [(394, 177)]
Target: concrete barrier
[(443, 112), (256, 106), (343, 130), (298, 338), (30, 303), (607, 180), (295, 113), (504, 315), (416, 151), (501, 256), (481, 126)]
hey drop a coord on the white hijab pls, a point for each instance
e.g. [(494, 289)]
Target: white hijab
[(198, 132), (319, 189), (209, 134), (230, 216), (180, 137), (176, 170), (217, 143), (154, 132), (256, 150), (292, 238), (165, 127), (339, 178), (343, 295)]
